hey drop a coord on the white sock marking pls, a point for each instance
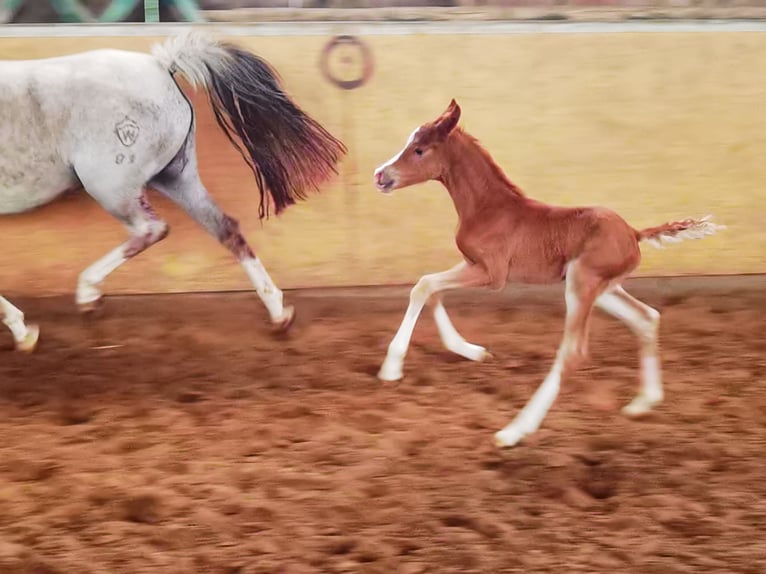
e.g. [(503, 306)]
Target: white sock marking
[(452, 339), (94, 275), (532, 415), (14, 320), (265, 288), (643, 320), (391, 370)]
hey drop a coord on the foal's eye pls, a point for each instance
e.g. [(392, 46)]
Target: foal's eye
[(419, 151)]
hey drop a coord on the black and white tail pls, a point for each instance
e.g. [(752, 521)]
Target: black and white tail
[(289, 152)]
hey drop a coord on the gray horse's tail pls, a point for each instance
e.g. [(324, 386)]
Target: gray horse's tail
[(289, 152)]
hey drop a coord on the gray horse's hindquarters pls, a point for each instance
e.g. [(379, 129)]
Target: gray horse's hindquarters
[(114, 120)]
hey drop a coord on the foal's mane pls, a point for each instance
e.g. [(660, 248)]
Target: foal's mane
[(489, 164)]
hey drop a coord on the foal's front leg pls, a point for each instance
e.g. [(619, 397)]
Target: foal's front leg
[(453, 340), (462, 275)]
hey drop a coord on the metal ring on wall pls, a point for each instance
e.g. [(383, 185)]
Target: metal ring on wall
[(365, 54)]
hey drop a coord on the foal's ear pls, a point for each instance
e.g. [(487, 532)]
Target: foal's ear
[(449, 119)]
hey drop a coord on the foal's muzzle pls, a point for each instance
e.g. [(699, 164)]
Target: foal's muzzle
[(384, 180)]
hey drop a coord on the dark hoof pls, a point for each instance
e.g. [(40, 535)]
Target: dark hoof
[(92, 308), (287, 320)]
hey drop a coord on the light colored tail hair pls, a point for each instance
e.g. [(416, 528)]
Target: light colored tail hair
[(677, 231), (192, 54)]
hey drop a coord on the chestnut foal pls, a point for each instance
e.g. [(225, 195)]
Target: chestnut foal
[(505, 236)]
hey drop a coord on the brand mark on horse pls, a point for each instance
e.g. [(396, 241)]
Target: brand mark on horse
[(127, 131)]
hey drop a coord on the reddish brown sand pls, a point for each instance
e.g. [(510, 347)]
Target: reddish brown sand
[(202, 443)]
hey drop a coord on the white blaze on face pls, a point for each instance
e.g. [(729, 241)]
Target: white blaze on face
[(397, 156)]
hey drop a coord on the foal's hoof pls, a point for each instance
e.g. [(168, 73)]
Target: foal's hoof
[(390, 375), (508, 437), (30, 341), (91, 307), (288, 318), (639, 406), (470, 351)]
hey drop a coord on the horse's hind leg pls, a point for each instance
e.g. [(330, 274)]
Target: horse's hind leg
[(582, 289), (24, 335), (181, 183), (644, 321), (145, 229)]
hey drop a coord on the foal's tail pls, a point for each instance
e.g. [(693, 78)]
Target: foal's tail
[(289, 152), (677, 231)]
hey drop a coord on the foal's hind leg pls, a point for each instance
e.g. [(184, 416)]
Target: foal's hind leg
[(581, 292), (453, 340), (644, 321), (145, 229), (181, 183), (24, 335)]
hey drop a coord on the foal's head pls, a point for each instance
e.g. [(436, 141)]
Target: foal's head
[(423, 155)]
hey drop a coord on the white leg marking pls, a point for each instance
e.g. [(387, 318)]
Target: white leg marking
[(644, 322), (462, 275), (392, 367), (93, 276), (145, 230), (531, 416), (267, 290), (651, 393), (24, 335), (452, 339)]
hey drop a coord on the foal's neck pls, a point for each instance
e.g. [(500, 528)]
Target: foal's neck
[(473, 179)]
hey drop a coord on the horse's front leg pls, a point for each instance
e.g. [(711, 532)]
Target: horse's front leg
[(145, 230), (450, 337), (462, 275)]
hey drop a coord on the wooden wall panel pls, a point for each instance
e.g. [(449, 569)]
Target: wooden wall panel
[(657, 125)]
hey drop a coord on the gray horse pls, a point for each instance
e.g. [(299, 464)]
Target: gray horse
[(115, 122)]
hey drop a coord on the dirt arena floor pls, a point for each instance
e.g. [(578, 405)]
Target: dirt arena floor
[(178, 435)]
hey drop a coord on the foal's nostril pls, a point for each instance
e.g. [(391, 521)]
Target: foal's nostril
[(383, 179)]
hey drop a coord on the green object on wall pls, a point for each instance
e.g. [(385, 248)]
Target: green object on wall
[(8, 10), (151, 10), (74, 11)]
